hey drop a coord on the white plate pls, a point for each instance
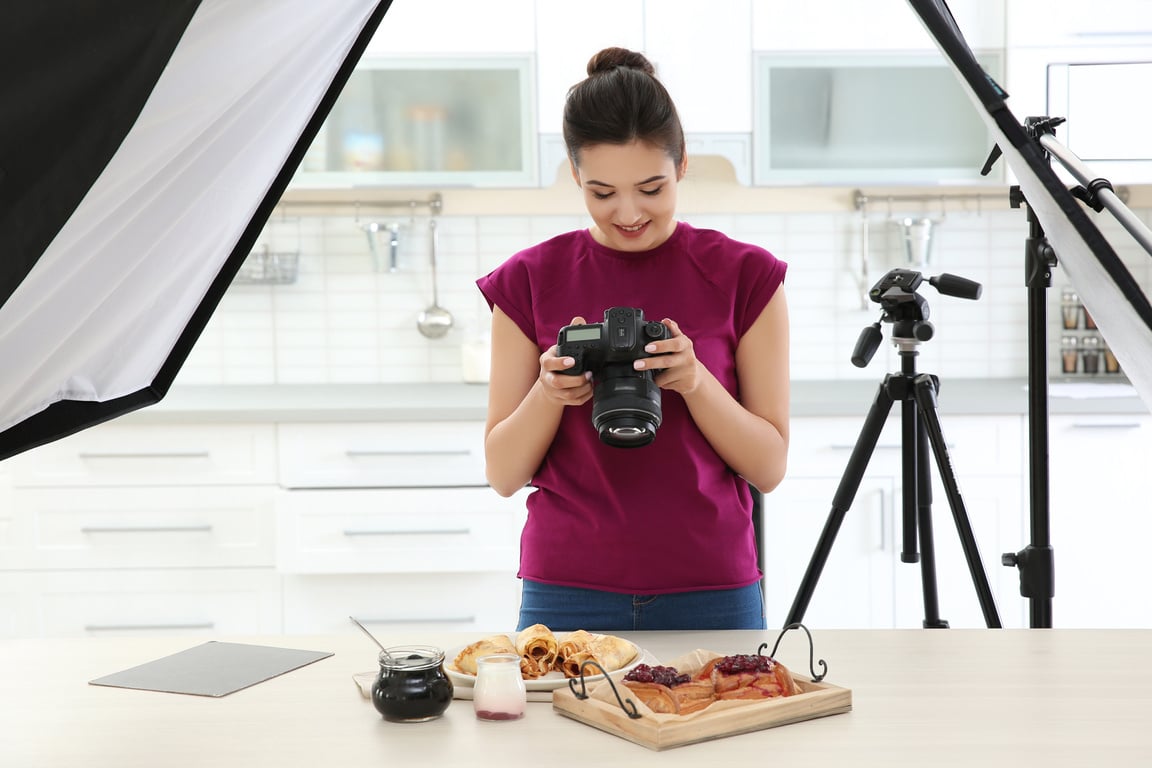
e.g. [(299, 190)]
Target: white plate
[(549, 682)]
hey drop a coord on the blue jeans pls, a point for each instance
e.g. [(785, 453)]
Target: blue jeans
[(572, 608)]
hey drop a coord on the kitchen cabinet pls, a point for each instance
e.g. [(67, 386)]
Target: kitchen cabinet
[(104, 603), (838, 118), (452, 27), (1099, 518), (428, 121), (864, 583), (846, 25), (123, 528), (394, 523)]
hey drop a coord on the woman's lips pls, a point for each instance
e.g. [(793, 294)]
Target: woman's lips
[(632, 232)]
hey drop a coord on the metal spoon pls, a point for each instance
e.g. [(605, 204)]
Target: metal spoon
[(379, 644), (435, 321)]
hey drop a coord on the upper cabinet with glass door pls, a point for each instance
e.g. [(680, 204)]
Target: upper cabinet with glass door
[(867, 118), (429, 121)]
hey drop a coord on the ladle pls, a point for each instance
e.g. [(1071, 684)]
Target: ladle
[(379, 644), (435, 321)]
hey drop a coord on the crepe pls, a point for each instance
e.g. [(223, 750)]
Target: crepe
[(465, 661), (537, 647), (608, 651)]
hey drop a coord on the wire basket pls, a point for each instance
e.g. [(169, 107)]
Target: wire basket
[(267, 267)]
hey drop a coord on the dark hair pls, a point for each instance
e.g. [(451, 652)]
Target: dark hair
[(621, 101)]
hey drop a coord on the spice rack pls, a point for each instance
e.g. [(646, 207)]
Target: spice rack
[(1083, 352)]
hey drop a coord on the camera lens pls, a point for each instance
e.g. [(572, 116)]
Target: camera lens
[(626, 407)]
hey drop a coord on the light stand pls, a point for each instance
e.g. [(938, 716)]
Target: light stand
[(908, 312)]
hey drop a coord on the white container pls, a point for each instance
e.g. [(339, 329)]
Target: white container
[(500, 693)]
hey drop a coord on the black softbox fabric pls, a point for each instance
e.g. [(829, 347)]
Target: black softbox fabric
[(142, 147)]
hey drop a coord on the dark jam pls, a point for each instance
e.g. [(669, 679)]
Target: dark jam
[(669, 676), (412, 686)]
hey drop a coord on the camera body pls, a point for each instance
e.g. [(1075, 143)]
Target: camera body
[(625, 402)]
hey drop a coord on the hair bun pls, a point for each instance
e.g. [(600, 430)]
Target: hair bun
[(610, 58)]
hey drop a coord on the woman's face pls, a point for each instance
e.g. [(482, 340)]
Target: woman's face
[(630, 191)]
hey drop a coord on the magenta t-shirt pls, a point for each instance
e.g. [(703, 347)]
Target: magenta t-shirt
[(670, 516)]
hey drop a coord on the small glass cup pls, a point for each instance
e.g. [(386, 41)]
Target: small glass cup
[(1090, 354), (1070, 309), (412, 686), (1111, 364), (1069, 356), (499, 693)]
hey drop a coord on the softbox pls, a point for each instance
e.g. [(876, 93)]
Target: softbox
[(143, 146)]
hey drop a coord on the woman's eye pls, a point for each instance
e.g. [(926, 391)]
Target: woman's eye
[(651, 192), (601, 195)]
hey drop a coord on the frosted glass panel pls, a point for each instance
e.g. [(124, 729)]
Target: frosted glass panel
[(860, 119), (455, 122)]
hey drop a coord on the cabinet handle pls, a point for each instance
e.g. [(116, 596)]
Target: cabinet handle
[(139, 627), (1106, 425), (362, 454), (879, 446), (146, 529), (85, 455), (413, 532), (422, 620), (883, 520)]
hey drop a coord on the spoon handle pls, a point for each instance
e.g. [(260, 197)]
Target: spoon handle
[(372, 636)]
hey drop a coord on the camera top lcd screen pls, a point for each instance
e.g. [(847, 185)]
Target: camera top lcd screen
[(590, 333)]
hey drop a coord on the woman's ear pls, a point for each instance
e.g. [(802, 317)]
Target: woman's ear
[(683, 169), (575, 173)]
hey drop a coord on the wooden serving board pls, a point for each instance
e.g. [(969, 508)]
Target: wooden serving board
[(660, 731)]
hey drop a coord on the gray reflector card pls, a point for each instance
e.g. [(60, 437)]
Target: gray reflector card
[(212, 669)]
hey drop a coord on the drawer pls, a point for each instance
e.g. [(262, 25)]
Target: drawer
[(152, 454), (380, 455), (149, 602), (398, 530), (182, 526), (986, 445), (487, 602)]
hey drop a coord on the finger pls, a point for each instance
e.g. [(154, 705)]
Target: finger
[(578, 321)]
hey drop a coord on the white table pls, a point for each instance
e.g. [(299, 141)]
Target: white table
[(920, 698)]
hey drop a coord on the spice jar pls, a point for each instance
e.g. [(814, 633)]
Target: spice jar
[(1090, 354), (1069, 358), (412, 686), (499, 693)]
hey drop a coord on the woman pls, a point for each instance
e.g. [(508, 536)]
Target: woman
[(656, 537)]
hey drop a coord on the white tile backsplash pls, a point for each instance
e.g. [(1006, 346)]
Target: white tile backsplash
[(347, 319)]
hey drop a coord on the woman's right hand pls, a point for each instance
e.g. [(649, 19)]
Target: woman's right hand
[(564, 388)]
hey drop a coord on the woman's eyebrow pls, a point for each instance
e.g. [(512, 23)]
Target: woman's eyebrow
[(596, 183)]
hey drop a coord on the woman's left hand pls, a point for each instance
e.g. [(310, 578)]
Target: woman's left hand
[(679, 370)]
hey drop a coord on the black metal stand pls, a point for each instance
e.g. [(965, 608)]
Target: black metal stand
[(1036, 561), (920, 429)]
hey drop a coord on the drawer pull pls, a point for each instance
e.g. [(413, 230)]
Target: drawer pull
[(146, 455), (146, 529), (423, 620), (362, 454), (413, 532), (1106, 425), (150, 627)]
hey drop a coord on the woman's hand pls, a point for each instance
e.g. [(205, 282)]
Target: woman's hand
[(564, 388), (680, 370)]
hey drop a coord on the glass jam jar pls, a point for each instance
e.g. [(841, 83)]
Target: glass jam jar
[(412, 686), (500, 693)]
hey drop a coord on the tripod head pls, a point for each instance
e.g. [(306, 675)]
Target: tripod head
[(907, 310)]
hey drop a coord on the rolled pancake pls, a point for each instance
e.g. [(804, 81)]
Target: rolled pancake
[(608, 651), (538, 643), (573, 642), (465, 661)]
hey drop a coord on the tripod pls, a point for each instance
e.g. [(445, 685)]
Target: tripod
[(907, 310)]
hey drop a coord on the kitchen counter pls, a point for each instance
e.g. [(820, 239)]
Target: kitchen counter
[(468, 402), (920, 697)]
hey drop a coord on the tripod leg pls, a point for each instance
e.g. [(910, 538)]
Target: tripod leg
[(932, 618), (925, 391), (845, 493)]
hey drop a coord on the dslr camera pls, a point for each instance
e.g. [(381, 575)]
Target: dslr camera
[(625, 402)]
